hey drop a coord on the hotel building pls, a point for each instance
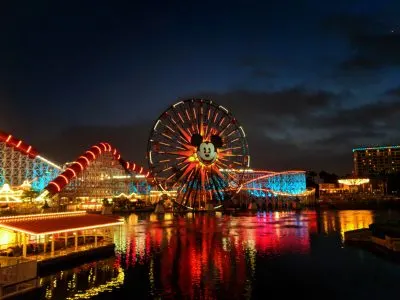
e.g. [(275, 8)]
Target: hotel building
[(374, 160)]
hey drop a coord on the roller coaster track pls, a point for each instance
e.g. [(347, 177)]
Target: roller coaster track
[(64, 175), (83, 162)]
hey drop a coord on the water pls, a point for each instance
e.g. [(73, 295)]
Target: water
[(249, 256)]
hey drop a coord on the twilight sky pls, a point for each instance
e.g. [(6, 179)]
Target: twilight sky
[(307, 81)]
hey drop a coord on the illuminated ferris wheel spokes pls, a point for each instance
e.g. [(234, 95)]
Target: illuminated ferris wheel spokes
[(189, 144)]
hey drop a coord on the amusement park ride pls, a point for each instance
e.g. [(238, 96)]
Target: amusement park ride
[(197, 154), (189, 144)]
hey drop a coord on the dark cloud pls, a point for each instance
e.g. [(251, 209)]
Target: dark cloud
[(297, 128), (269, 120), (352, 25), (373, 43), (377, 115), (380, 50), (260, 73), (393, 92), (289, 102), (288, 129), (358, 63)]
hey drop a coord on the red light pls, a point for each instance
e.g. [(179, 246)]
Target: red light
[(65, 178), (56, 185), (73, 172), (85, 158), (90, 152), (98, 148)]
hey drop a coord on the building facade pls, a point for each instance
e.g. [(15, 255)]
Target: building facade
[(376, 160)]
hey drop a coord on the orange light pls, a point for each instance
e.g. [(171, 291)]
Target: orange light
[(29, 149), (104, 146), (98, 148), (8, 138), (61, 231), (19, 144), (134, 167), (141, 170), (80, 165), (90, 152), (42, 216), (57, 186), (65, 178), (73, 172), (119, 156), (85, 158), (127, 165)]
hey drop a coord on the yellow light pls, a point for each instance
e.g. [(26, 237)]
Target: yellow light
[(94, 291), (6, 238), (353, 181), (61, 231)]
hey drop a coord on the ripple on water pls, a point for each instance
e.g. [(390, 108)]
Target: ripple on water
[(201, 256)]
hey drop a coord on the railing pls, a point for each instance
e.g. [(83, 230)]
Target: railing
[(10, 249), (69, 250)]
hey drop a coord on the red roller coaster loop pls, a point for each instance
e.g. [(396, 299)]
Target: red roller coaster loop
[(17, 144), (83, 161)]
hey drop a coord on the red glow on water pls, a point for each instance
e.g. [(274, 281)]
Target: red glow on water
[(196, 252)]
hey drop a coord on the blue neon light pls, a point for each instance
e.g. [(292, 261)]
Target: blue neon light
[(38, 173), (376, 148), (2, 180), (140, 187), (291, 183), (42, 174)]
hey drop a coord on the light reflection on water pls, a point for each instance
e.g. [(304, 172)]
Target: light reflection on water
[(83, 282), (209, 256)]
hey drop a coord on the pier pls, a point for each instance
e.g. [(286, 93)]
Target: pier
[(41, 241)]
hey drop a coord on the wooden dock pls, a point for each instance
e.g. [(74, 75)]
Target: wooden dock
[(42, 242)]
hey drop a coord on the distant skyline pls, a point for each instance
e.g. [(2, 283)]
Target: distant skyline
[(308, 80)]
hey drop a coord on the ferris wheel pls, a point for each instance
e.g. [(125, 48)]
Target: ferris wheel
[(193, 148)]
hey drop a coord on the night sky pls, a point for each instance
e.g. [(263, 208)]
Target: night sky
[(309, 80)]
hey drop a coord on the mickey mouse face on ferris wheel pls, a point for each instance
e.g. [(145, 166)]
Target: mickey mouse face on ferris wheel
[(207, 150)]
